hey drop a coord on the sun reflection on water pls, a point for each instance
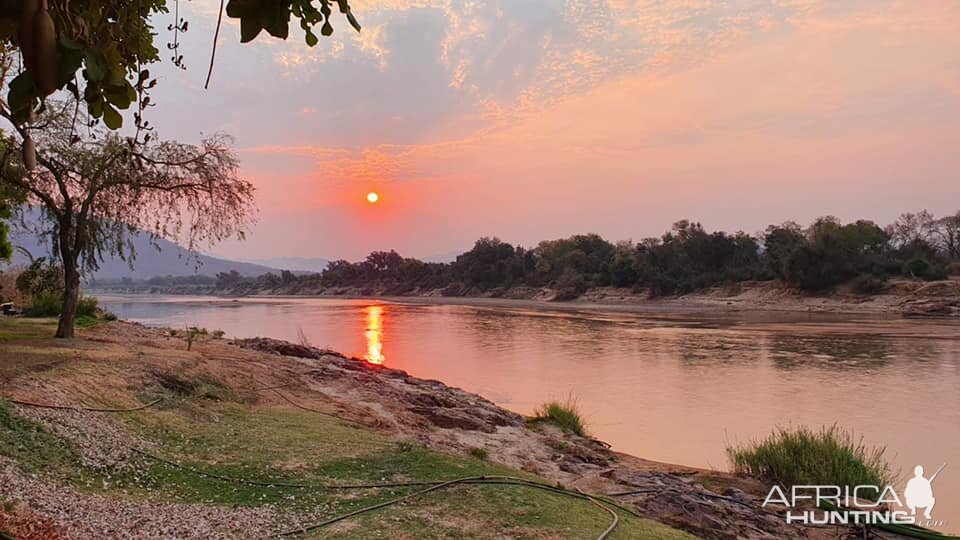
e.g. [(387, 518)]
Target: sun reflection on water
[(374, 334)]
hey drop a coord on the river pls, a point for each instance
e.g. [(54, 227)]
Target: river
[(669, 386)]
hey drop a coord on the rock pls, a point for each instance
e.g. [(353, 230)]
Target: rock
[(285, 348), (681, 503), (930, 307), (735, 493), (453, 418)]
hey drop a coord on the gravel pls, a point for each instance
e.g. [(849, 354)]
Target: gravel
[(84, 516)]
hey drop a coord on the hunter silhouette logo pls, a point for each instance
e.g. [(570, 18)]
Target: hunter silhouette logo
[(919, 492), (861, 504)]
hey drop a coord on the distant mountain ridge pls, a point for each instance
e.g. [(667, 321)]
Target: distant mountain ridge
[(169, 260), (445, 258), (294, 264)]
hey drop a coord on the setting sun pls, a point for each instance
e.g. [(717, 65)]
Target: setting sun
[(373, 197)]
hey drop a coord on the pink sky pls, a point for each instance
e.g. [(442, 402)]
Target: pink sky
[(540, 119)]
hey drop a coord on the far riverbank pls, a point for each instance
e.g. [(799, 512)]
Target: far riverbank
[(901, 297)]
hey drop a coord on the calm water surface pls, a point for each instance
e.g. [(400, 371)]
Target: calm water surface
[(669, 387)]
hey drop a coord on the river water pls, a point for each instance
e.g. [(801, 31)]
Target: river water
[(667, 386)]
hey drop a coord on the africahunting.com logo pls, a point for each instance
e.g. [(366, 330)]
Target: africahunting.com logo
[(860, 505)]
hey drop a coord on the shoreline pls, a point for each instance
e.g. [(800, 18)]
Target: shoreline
[(380, 400), (903, 298)]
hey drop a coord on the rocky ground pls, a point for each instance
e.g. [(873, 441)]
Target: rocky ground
[(123, 359)]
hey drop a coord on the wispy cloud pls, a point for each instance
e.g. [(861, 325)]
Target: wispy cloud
[(565, 115)]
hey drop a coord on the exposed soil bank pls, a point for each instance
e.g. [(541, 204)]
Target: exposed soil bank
[(899, 297)]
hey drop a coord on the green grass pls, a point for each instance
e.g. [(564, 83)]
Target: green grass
[(566, 415), (296, 446), (33, 447), (17, 328), (801, 456)]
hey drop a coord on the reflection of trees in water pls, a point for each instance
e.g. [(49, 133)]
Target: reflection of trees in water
[(492, 329), (495, 329), (838, 351), (703, 348)]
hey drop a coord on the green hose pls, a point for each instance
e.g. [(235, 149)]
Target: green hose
[(431, 486)]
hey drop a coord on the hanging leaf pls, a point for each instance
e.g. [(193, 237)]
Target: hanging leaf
[(111, 117), (241, 9), (96, 67), (250, 28), (276, 19), (311, 38), (70, 61), (21, 96), (353, 22), (95, 108), (69, 43), (118, 96)]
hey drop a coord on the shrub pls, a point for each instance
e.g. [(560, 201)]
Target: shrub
[(800, 456), (570, 285), (453, 289), (662, 285), (42, 276), (566, 415), (49, 304), (45, 304), (202, 387), (953, 269), (87, 307), (811, 270), (867, 284), (917, 267), (8, 286), (938, 272), (479, 453)]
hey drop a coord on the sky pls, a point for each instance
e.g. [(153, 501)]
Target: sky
[(538, 119)]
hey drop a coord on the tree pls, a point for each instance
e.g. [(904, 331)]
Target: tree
[(835, 253), (912, 228), (96, 191), (490, 263), (623, 268), (779, 242), (97, 49), (588, 254), (948, 231), (6, 212), (381, 264), (10, 198)]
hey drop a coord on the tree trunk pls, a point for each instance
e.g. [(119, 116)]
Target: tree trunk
[(71, 297)]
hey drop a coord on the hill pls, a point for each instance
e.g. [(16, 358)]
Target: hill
[(169, 260), (294, 264)]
